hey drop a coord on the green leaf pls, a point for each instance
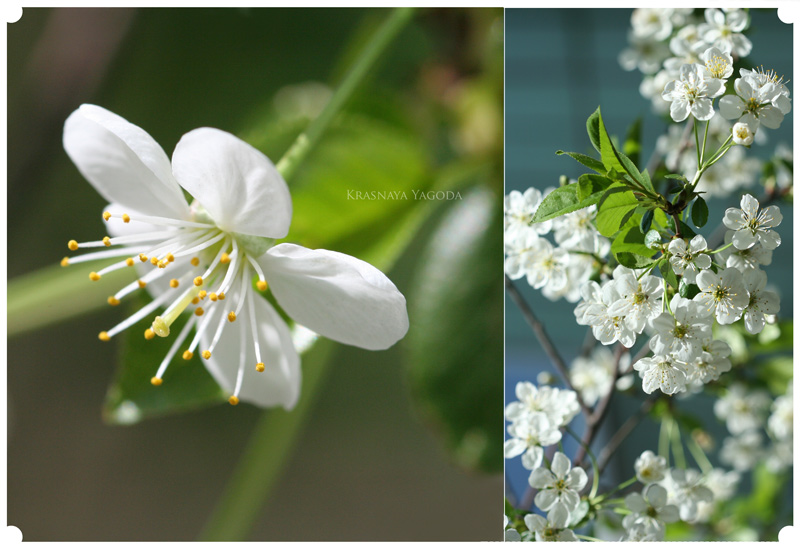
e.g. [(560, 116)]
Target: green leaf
[(667, 273), (448, 380), (616, 203), (591, 186), (688, 290), (568, 199), (608, 153), (677, 176), (633, 141), (699, 212), (647, 220), (631, 239), (593, 128), (588, 161), (633, 261)]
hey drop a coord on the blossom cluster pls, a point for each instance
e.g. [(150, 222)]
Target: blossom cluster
[(685, 354), (749, 415), (557, 269), (672, 494)]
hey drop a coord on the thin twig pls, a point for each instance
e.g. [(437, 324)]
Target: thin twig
[(619, 437), (544, 340)]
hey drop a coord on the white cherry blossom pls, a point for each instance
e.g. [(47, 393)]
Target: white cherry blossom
[(558, 485), (725, 294), (528, 438), (742, 134), (683, 333), (762, 302), (751, 225), (552, 528), (650, 468), (743, 451), (639, 298), (692, 93), (781, 421), (519, 209), (661, 372), (724, 30), (651, 509), (686, 489), (747, 259), (753, 105), (689, 260), (205, 256), (742, 409)]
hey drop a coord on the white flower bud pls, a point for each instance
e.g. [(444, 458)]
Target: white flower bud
[(742, 134)]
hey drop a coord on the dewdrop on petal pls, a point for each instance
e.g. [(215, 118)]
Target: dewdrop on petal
[(220, 246)]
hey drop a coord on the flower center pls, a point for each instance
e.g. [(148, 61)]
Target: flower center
[(203, 264)]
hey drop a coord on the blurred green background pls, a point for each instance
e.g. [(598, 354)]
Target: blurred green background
[(399, 445)]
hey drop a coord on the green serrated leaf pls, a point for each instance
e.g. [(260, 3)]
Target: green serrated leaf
[(588, 161), (630, 239), (676, 176), (699, 212), (633, 261), (608, 153), (590, 185), (614, 208), (566, 199), (593, 128)]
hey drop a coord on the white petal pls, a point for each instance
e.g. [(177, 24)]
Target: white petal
[(560, 465), (702, 109), (238, 186), (541, 477), (545, 499), (770, 116), (123, 163), (336, 295), (513, 447), (679, 110), (279, 383), (731, 107)]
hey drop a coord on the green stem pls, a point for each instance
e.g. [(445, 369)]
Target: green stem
[(379, 42), (697, 143), (595, 468), (699, 456), (726, 246), (677, 445), (663, 438), (273, 438), (705, 138), (588, 538)]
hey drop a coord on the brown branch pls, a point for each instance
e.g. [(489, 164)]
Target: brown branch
[(619, 437), (544, 340)]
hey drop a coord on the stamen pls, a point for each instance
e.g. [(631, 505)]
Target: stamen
[(253, 325), (129, 262), (154, 220), (107, 241), (203, 246), (233, 400), (94, 277), (149, 334), (116, 252), (103, 336), (231, 317), (206, 354), (106, 215), (142, 284), (72, 245), (187, 355), (198, 281), (195, 261), (65, 262), (260, 367), (126, 218), (156, 381), (240, 373), (199, 332), (199, 311), (225, 258), (113, 301), (138, 315), (174, 283), (262, 283)]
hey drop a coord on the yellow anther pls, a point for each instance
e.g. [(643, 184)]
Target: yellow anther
[(126, 218), (221, 295), (106, 215), (149, 334), (142, 258), (129, 262), (202, 294), (187, 355), (103, 336), (198, 281), (206, 354), (195, 261), (107, 240), (65, 262), (212, 296), (199, 311), (113, 300), (225, 258), (260, 367), (94, 277), (72, 245), (162, 264), (153, 260), (195, 301), (174, 283), (261, 285), (231, 316), (233, 400), (156, 381), (142, 284), (170, 258)]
